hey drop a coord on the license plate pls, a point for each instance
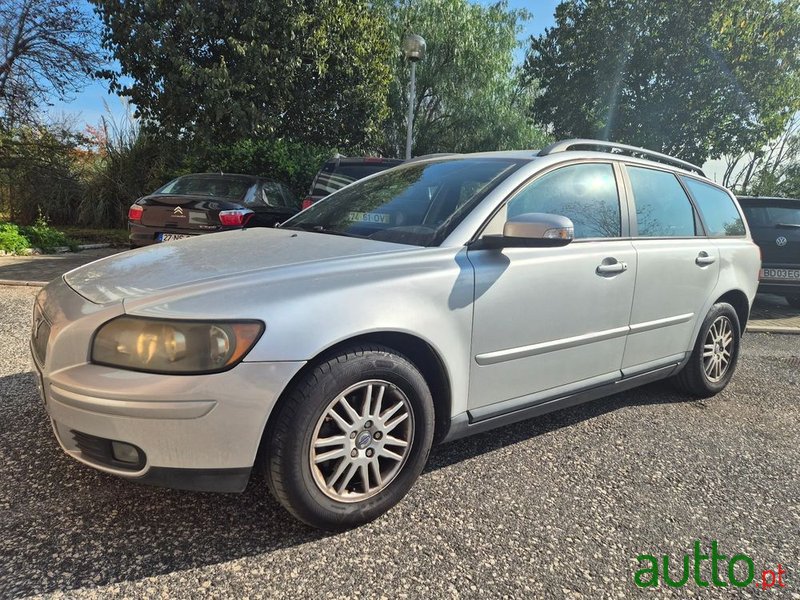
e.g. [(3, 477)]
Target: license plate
[(370, 217), (169, 237), (785, 274)]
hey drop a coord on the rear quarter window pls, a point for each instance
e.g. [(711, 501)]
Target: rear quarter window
[(764, 214), (334, 177), (717, 209)]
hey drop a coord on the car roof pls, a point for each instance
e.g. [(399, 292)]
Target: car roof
[(536, 155), (755, 199), (253, 178), (365, 160)]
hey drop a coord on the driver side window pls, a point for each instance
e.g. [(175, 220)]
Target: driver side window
[(584, 193)]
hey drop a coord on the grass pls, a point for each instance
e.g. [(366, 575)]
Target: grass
[(19, 239), (118, 238)]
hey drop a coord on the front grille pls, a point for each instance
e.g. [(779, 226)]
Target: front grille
[(99, 450), (40, 335)]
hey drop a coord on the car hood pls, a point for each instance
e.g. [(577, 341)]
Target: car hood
[(160, 267)]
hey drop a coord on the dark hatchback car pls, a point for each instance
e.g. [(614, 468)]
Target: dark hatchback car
[(341, 171), (775, 227), (208, 202)]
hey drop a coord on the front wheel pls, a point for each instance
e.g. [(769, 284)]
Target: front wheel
[(715, 354), (350, 438)]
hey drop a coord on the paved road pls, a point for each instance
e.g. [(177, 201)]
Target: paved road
[(44, 267), (556, 507)]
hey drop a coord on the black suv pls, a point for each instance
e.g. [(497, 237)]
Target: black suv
[(341, 171), (775, 226)]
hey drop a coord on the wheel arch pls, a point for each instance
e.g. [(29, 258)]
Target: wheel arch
[(421, 354), (737, 299)]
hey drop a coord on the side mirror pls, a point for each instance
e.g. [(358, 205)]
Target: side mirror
[(532, 230)]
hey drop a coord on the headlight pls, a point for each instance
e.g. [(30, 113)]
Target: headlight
[(161, 346)]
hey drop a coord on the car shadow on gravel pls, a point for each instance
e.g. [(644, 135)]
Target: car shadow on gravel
[(65, 526), (660, 392)]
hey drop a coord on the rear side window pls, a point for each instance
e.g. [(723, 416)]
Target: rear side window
[(585, 193), (766, 215), (718, 210), (662, 207), (333, 177)]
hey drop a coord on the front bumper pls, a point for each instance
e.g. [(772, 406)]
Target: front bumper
[(198, 432)]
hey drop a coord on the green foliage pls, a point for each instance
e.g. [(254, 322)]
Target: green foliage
[(129, 164), (219, 72), (696, 79), (118, 238), (469, 97), (15, 239), (40, 172), (11, 240), (40, 235), (292, 163), (772, 170)]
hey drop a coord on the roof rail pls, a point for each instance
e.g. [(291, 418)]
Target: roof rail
[(614, 148)]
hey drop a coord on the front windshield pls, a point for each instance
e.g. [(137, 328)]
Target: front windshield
[(417, 203), (219, 186)]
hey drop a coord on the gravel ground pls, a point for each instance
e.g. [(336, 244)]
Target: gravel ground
[(555, 507)]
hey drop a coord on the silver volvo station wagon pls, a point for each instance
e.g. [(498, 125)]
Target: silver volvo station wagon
[(440, 298)]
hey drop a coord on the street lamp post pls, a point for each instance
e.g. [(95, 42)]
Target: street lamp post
[(414, 51)]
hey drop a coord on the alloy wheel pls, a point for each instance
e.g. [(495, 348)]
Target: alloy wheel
[(717, 349), (361, 441)]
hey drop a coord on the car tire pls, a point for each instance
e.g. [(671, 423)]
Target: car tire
[(794, 301), (716, 352), (312, 421)]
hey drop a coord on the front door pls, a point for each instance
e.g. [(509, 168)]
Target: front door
[(550, 320)]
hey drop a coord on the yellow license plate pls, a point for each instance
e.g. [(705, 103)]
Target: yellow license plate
[(365, 217)]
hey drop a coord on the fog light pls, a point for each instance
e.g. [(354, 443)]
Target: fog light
[(124, 452)]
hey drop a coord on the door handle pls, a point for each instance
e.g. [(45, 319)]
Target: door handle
[(704, 259), (611, 268)]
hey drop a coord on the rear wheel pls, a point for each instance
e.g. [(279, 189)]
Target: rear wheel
[(794, 301), (350, 438), (715, 354)]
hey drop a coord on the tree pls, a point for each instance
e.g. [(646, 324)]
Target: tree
[(469, 97), (772, 170), (219, 72), (695, 79), (48, 48)]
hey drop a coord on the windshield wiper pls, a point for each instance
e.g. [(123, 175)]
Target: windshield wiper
[(788, 225)]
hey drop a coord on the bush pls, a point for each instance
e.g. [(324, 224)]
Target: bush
[(15, 239), (40, 172), (41, 235), (291, 163), (128, 165), (11, 239)]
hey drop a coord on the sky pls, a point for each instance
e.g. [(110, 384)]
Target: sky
[(89, 105)]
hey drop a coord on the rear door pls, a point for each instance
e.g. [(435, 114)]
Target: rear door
[(678, 269)]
